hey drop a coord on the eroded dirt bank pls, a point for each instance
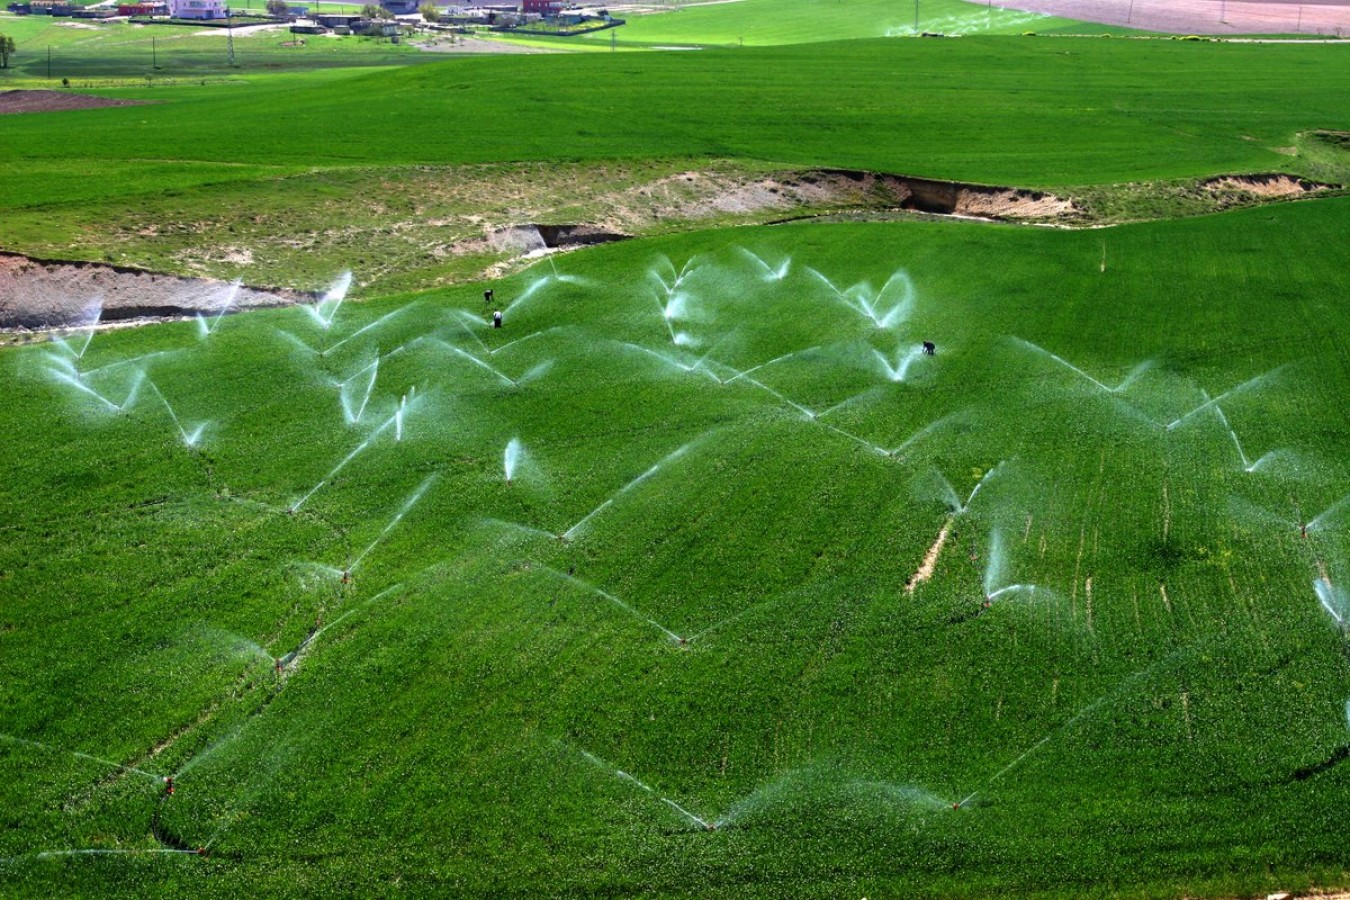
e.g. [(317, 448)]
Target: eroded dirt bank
[(40, 294)]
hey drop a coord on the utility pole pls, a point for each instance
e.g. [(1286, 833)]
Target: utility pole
[(154, 57), (916, 16), (1223, 9), (229, 36), (49, 62)]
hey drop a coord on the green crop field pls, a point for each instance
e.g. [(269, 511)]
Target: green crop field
[(699, 577), (662, 524), (765, 22), (95, 53)]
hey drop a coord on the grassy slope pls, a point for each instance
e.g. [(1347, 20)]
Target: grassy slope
[(998, 110), (433, 739)]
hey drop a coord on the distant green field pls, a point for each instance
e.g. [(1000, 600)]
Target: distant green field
[(747, 459), (89, 53), (1034, 112), (766, 22)]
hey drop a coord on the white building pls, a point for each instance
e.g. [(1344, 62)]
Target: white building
[(199, 9)]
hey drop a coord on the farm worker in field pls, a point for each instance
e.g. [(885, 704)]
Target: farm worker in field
[(929, 348), (497, 319), (487, 297)]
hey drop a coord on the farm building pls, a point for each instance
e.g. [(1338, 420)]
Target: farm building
[(142, 9), (338, 20), (199, 9), (546, 8)]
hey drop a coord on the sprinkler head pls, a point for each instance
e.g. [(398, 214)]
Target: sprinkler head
[(710, 826), (683, 642), (956, 806), (1303, 529), (988, 602), (346, 576), (201, 851)]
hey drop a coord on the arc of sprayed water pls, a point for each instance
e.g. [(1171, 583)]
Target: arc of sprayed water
[(697, 366), (633, 780), (189, 438), (953, 500), (535, 287), (475, 360), (904, 307), (1242, 454), (599, 592), (814, 416), (408, 504), (1334, 509), (326, 309), (674, 285), (924, 431), (295, 507), (1075, 719), (74, 381), (122, 363), (520, 340), (355, 609), (980, 484), (399, 413), (1129, 379), (293, 659), (363, 329), (1328, 597), (900, 370), (668, 458), (776, 359), (1210, 401), (88, 319), (354, 416), (97, 759), (511, 457), (770, 273), (207, 326)]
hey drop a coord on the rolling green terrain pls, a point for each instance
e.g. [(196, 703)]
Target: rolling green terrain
[(745, 470), (698, 578), (1027, 112)]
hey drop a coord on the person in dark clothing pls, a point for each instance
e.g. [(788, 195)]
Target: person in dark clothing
[(929, 348), (487, 297), (497, 319)]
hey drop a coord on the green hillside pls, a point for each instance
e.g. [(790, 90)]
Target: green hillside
[(746, 460)]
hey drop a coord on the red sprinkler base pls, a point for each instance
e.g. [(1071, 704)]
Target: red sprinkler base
[(201, 851), (956, 806)]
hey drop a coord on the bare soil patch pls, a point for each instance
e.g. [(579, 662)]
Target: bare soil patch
[(930, 559), (36, 295), (20, 101), (1273, 187)]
